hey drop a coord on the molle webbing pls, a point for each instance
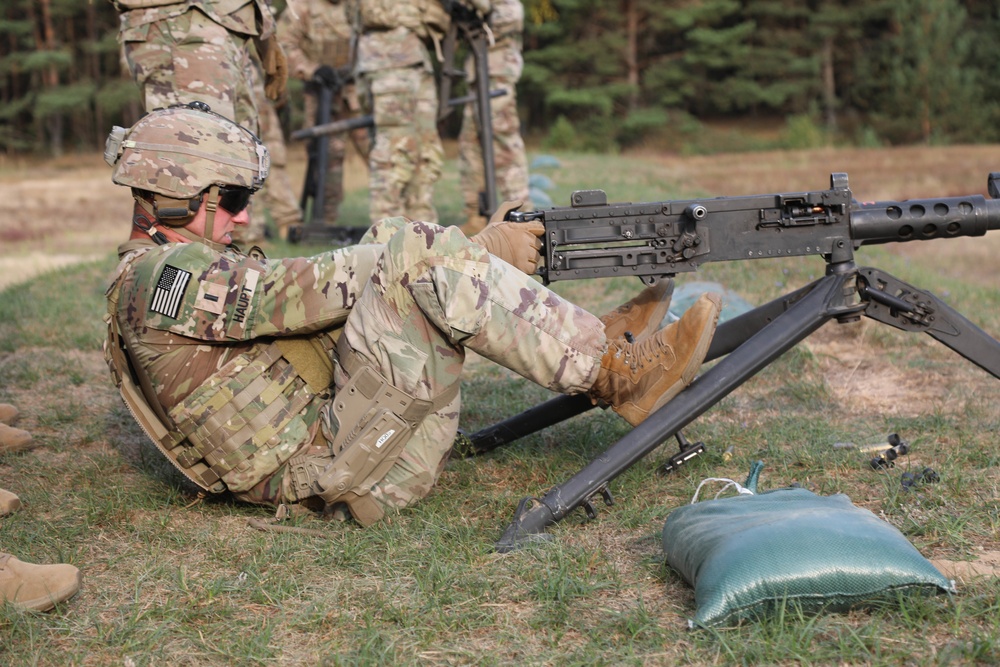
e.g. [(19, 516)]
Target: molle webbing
[(239, 411)]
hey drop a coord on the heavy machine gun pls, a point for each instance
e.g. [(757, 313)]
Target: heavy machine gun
[(595, 239)]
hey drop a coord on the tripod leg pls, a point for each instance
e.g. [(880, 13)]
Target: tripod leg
[(825, 301), (906, 307)]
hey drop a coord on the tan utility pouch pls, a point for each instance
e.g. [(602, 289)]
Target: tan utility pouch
[(375, 420)]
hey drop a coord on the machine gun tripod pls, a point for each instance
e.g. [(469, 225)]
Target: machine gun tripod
[(595, 239)]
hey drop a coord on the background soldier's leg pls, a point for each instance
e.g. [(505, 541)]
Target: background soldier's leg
[(392, 161), (419, 194), (470, 164), (509, 154), (333, 193), (277, 196)]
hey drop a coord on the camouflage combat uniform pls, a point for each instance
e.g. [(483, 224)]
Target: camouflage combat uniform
[(198, 50), (277, 196), (396, 81), (505, 64), (195, 50), (318, 33), (210, 330)]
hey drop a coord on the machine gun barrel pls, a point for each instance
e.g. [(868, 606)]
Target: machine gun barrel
[(924, 219)]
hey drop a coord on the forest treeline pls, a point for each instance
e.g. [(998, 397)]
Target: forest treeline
[(606, 74)]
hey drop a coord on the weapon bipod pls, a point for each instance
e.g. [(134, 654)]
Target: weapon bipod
[(744, 346)]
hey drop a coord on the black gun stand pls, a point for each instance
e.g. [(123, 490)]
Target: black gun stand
[(312, 203), (749, 343)]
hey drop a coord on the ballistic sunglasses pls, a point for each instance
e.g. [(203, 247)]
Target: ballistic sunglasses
[(234, 199)]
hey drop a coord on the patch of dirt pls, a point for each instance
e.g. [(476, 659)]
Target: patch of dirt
[(965, 572), (56, 213)]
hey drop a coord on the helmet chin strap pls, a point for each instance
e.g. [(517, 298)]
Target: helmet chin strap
[(211, 204)]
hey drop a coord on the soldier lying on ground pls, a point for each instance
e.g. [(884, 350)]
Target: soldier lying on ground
[(333, 380)]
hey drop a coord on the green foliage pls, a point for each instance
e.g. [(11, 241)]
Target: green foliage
[(562, 136), (917, 83), (802, 131), (640, 124), (114, 96), (64, 99)]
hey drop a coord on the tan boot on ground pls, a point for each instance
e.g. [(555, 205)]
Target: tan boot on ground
[(14, 439), (36, 587), (8, 413), (642, 315), (9, 503), (637, 379)]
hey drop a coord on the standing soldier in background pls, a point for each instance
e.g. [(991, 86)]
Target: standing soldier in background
[(506, 21), (202, 50), (317, 39), (278, 197), (395, 79)]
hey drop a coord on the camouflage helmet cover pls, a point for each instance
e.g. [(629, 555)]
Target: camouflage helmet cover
[(180, 151)]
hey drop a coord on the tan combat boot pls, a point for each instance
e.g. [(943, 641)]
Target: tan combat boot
[(642, 315), (8, 413), (36, 587), (13, 439), (637, 379), (9, 503)]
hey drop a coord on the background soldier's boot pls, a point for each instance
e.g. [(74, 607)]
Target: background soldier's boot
[(8, 413), (9, 503), (639, 378), (642, 315), (13, 439), (36, 587)]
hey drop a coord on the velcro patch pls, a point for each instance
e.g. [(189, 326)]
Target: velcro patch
[(169, 291), (244, 302), (211, 297)]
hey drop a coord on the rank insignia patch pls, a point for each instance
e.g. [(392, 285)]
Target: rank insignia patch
[(169, 291)]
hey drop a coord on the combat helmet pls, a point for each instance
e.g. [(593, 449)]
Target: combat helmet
[(173, 157)]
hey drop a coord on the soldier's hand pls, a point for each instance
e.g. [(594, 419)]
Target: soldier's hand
[(275, 69), (517, 243)]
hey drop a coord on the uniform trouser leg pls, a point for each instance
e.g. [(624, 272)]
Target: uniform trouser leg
[(510, 159), (434, 294), (407, 157), (333, 185), (277, 195)]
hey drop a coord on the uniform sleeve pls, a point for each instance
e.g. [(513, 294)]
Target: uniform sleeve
[(300, 295), (201, 294)]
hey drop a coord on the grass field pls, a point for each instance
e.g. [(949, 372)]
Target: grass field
[(172, 579)]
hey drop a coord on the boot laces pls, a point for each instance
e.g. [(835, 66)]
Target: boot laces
[(637, 355)]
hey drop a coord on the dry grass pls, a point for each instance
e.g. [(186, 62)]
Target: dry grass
[(171, 582)]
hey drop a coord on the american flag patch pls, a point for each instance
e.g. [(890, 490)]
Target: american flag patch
[(169, 291)]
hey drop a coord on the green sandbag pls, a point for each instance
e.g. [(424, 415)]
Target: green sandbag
[(747, 555)]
